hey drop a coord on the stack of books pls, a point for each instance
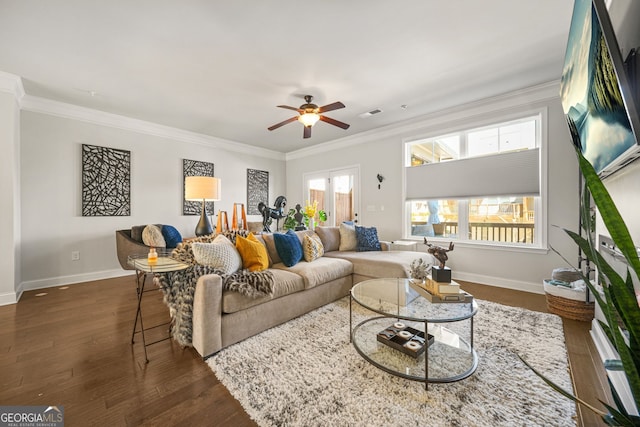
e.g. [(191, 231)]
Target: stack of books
[(440, 292), (438, 288)]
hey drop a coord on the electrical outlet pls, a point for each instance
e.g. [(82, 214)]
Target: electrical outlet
[(75, 256)]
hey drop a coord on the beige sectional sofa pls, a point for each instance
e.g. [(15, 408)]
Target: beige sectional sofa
[(222, 318)]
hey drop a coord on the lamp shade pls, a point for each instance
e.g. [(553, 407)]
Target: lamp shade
[(308, 119), (202, 188)]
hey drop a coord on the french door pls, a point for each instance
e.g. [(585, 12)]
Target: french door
[(337, 193)]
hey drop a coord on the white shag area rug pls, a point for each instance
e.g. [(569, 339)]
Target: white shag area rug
[(306, 373)]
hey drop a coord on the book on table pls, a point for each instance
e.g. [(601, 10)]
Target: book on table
[(437, 292)]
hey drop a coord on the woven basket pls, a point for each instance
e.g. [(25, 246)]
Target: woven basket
[(570, 308)]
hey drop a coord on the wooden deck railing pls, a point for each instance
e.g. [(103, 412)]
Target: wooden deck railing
[(492, 231)]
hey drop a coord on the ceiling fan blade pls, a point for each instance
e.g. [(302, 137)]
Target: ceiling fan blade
[(276, 126), (291, 108), (307, 132), (331, 107), (334, 122)]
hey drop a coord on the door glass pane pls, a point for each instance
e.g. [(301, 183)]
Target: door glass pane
[(343, 198), (317, 192), (502, 219), (434, 218)]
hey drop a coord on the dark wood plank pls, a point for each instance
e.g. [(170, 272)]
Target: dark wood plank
[(72, 347)]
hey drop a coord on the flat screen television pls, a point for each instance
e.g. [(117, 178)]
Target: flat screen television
[(595, 91)]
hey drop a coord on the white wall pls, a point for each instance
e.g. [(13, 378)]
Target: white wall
[(10, 194), (623, 185), (52, 224), (381, 152)]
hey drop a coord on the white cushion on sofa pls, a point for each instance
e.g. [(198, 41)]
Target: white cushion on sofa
[(220, 254), (348, 239)]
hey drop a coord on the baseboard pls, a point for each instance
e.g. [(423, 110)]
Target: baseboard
[(500, 282), (9, 298), (66, 280)]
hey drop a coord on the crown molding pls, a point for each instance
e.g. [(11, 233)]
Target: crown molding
[(530, 95), (12, 84), (75, 112)]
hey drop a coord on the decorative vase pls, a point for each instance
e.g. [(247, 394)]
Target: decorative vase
[(312, 223)]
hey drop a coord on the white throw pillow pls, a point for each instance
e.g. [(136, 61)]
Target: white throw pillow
[(220, 254), (152, 236), (348, 239)]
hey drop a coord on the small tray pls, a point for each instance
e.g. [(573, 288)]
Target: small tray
[(413, 344)]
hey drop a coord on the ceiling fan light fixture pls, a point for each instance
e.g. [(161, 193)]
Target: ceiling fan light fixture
[(309, 119)]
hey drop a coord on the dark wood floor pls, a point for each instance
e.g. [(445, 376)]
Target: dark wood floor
[(72, 347)]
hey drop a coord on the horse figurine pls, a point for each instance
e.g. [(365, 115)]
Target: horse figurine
[(269, 214)]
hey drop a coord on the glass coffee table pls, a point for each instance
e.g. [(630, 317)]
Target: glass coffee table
[(409, 338)]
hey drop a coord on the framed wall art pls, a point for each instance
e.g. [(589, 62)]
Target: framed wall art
[(195, 168), (106, 181), (257, 190)]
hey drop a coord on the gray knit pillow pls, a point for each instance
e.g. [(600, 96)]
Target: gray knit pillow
[(220, 254)]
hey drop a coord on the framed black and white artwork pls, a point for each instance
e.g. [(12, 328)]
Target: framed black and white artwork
[(257, 190), (195, 168), (106, 181)]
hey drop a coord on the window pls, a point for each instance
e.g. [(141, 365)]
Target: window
[(480, 184)]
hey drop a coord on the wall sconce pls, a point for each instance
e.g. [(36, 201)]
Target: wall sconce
[(380, 179)]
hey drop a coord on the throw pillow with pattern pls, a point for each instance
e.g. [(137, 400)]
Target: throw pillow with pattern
[(367, 238), (312, 247)]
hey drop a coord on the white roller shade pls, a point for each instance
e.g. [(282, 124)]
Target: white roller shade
[(508, 174)]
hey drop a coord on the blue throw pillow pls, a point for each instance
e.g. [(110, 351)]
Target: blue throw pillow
[(367, 239), (289, 247), (171, 236)]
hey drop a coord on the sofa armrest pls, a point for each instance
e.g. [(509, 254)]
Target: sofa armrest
[(385, 245), (207, 315)]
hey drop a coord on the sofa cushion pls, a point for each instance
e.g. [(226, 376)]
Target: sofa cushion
[(253, 253), (330, 237), (289, 247), (312, 247), (367, 238), (220, 254), (383, 263), (171, 236), (320, 271), (285, 283), (152, 236), (348, 240)]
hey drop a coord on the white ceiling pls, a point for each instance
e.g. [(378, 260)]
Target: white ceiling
[(220, 67)]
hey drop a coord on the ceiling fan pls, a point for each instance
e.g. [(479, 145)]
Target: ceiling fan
[(310, 113)]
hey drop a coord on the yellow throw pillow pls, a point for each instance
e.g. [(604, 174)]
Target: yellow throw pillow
[(253, 253)]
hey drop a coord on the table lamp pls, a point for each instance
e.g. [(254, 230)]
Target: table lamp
[(205, 188)]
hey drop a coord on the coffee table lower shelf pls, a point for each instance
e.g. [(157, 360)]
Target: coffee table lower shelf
[(447, 358)]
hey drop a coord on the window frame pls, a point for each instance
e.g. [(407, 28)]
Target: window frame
[(494, 119)]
